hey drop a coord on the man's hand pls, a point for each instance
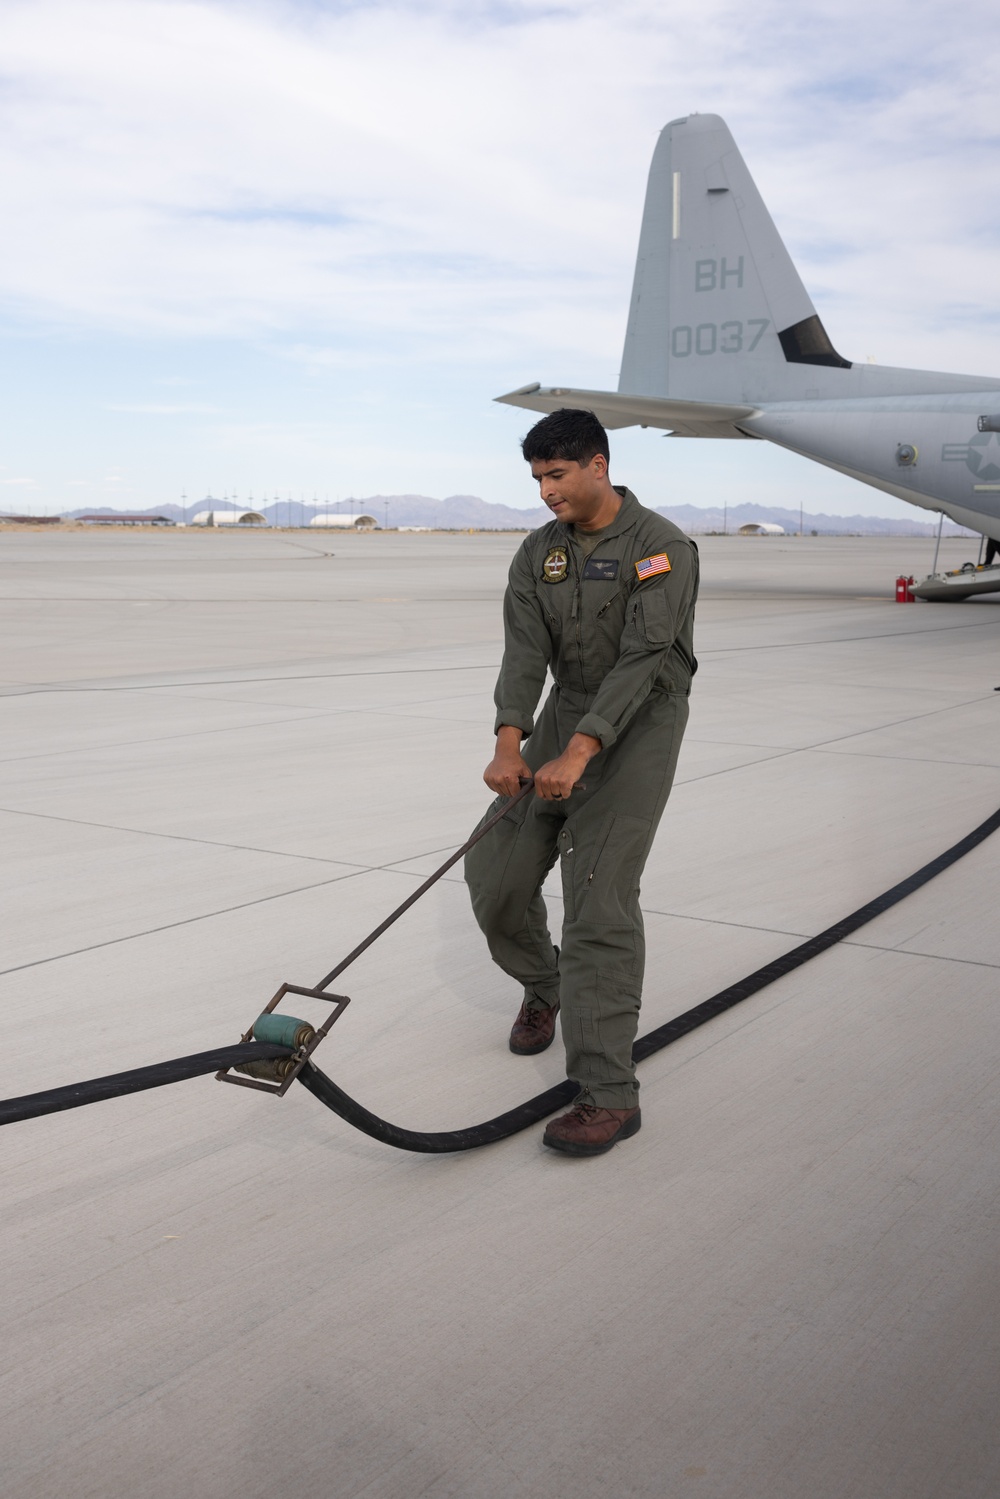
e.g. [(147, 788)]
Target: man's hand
[(556, 779), (504, 771)]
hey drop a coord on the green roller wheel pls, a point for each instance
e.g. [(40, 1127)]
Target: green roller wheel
[(282, 1030)]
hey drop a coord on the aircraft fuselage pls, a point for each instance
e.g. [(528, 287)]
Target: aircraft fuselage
[(925, 449)]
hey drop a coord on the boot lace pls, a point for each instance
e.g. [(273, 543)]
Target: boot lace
[(585, 1112)]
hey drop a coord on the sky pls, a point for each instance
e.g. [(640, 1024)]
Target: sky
[(295, 247)]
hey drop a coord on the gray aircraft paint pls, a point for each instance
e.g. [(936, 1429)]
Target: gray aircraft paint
[(723, 340)]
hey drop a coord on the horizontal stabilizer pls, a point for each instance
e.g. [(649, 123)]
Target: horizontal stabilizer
[(687, 418)]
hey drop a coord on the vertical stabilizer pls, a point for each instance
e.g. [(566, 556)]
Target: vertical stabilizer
[(718, 311)]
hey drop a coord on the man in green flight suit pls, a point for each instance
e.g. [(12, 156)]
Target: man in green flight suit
[(602, 596)]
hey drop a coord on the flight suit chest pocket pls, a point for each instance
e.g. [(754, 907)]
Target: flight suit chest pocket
[(556, 604), (652, 616)]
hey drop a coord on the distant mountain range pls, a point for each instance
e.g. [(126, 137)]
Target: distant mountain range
[(461, 512)]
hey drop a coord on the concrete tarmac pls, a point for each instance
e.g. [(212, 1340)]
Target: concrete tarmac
[(225, 757)]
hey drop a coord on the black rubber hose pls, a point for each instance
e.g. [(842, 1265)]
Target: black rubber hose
[(97, 1088), (31, 1105), (326, 1090), (540, 1107)]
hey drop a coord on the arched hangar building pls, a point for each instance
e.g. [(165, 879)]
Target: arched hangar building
[(346, 522), (229, 518)]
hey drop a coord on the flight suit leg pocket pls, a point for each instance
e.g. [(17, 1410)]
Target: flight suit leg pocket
[(608, 889), (567, 870), (487, 862)]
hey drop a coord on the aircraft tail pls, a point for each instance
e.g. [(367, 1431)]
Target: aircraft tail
[(718, 311), (720, 324)]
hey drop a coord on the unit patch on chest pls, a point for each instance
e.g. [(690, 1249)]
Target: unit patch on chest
[(603, 568), (555, 565)]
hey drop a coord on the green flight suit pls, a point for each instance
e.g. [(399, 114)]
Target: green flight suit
[(620, 650)]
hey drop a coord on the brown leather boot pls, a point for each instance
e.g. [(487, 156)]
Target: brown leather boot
[(589, 1130), (533, 1029)]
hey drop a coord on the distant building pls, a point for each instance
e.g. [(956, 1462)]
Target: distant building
[(30, 520), (761, 528), (123, 518), (346, 522), (229, 518)]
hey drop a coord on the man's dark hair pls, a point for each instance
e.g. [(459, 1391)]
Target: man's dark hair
[(576, 435)]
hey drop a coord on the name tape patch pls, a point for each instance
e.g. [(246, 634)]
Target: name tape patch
[(603, 568), (650, 565)]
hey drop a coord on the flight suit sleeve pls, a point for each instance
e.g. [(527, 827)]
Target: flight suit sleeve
[(656, 611), (527, 649)]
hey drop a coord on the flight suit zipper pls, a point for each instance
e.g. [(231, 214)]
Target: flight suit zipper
[(600, 851), (576, 612)]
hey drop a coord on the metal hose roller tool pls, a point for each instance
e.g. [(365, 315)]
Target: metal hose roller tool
[(276, 1074)]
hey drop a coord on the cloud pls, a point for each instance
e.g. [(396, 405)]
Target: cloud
[(404, 178), (338, 213)]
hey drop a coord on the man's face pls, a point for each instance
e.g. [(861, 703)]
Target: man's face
[(574, 492)]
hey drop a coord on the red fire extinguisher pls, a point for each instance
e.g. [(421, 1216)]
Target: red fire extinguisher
[(904, 590)]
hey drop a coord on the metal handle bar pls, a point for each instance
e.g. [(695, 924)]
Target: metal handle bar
[(527, 786), (279, 1085)]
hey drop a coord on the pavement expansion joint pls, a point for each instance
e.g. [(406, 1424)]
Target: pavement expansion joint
[(912, 952), (246, 848), (306, 715), (313, 676), (798, 645), (169, 926)]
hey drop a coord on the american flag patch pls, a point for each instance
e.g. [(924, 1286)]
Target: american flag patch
[(650, 565)]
